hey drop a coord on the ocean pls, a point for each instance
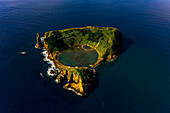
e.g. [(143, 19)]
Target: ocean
[(137, 82)]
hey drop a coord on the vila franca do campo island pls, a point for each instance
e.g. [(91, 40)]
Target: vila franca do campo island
[(106, 41)]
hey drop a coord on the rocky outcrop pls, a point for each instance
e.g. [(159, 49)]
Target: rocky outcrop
[(80, 80), (39, 42)]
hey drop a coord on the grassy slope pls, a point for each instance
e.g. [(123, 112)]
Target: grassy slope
[(106, 40)]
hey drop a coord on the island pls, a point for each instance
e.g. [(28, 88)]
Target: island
[(107, 41)]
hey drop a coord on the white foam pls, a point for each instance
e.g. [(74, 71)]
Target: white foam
[(45, 59), (36, 47), (46, 56), (41, 75), (44, 53), (56, 80), (52, 67), (50, 74)]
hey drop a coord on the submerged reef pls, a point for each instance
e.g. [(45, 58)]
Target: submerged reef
[(107, 41)]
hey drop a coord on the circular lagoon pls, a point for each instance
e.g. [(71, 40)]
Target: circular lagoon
[(78, 56)]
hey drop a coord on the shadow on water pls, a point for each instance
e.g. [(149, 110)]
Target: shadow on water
[(127, 43), (94, 85), (72, 98)]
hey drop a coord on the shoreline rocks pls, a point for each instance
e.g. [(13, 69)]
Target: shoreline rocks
[(39, 42), (78, 79)]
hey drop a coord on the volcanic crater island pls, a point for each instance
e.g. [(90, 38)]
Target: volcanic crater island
[(107, 42)]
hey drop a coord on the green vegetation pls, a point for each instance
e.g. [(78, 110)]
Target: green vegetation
[(106, 40), (85, 74)]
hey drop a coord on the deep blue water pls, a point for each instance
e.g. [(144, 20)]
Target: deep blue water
[(138, 82)]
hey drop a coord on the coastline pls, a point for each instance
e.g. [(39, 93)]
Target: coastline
[(56, 64), (71, 89), (52, 67), (77, 79)]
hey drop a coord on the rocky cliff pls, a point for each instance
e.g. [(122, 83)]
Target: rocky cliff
[(39, 42), (107, 41)]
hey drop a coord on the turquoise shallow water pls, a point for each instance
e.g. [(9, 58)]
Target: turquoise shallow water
[(138, 82)]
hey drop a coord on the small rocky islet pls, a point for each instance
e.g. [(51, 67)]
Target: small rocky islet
[(107, 41)]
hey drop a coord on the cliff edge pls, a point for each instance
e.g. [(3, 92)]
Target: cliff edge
[(107, 41)]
